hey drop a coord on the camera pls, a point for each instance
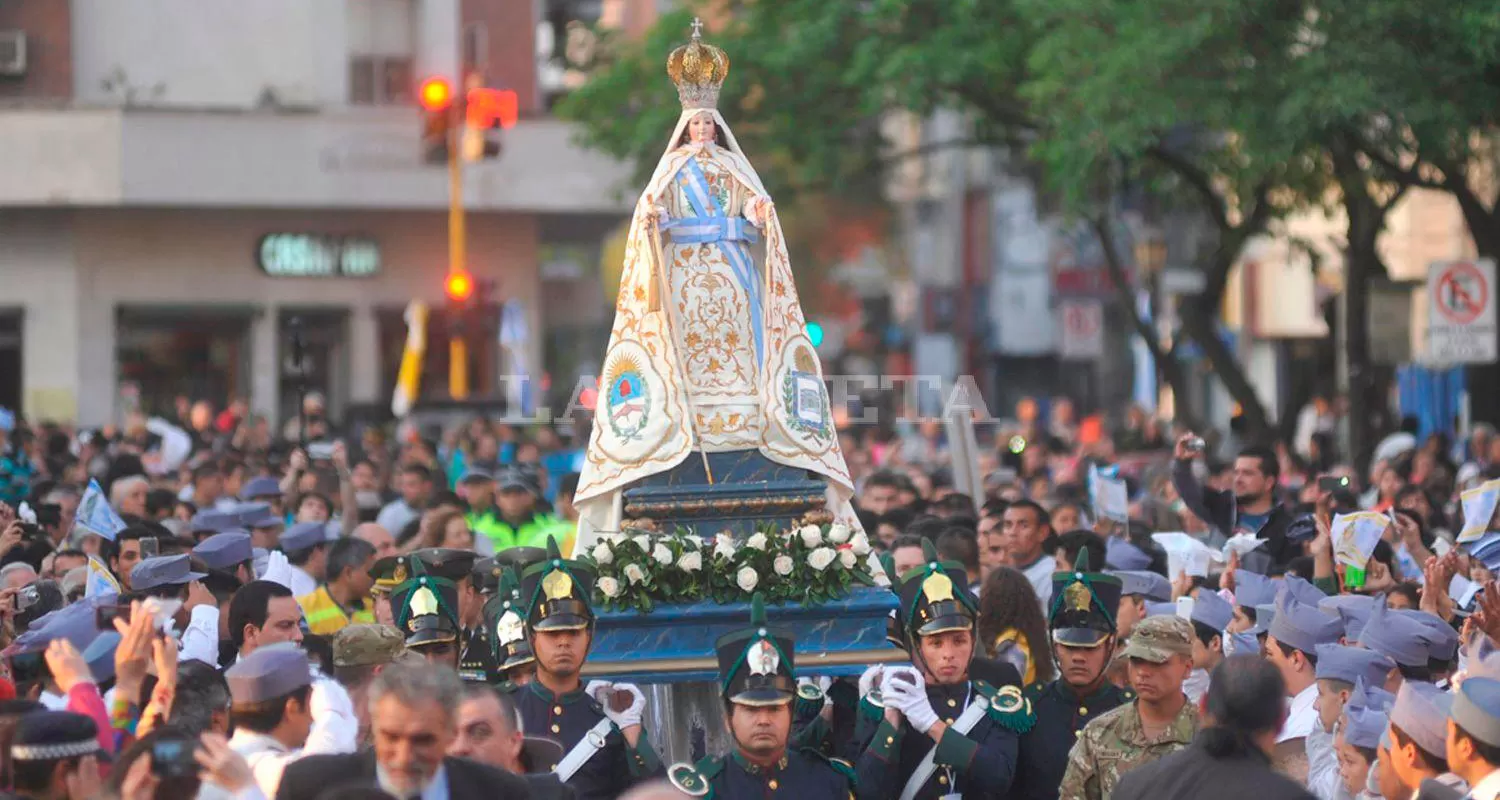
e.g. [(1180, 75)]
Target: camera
[(172, 757), (150, 547), (28, 597), (1329, 484), (1196, 444), (320, 451)]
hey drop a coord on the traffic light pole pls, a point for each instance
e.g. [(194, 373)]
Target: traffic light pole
[(458, 351)]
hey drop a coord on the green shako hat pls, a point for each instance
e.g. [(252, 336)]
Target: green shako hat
[(935, 598), (557, 592), (1083, 607), (426, 607), (505, 624), (755, 664)]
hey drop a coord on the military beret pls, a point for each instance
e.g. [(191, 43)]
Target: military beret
[(1144, 584), (261, 487), (225, 550), (164, 571), (270, 672)]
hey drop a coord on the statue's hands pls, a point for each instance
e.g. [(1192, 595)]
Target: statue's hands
[(761, 211), (662, 217)]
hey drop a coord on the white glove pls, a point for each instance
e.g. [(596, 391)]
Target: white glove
[(278, 569), (868, 679), (911, 700), (823, 682), (601, 691)]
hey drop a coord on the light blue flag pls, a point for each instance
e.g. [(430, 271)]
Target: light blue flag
[(95, 515)]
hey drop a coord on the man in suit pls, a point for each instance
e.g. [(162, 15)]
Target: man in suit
[(413, 721), (489, 731)]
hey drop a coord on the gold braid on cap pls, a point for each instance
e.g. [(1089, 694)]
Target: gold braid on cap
[(699, 71)]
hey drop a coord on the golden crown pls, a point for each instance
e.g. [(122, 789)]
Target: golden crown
[(699, 71)]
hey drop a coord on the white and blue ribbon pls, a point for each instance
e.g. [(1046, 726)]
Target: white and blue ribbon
[(732, 234)]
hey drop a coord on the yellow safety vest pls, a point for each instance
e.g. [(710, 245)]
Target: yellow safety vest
[(325, 616)]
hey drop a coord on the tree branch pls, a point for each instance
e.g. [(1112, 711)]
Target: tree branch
[(1213, 200)]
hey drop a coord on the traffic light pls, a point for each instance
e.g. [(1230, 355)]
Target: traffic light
[(460, 288), (436, 98)]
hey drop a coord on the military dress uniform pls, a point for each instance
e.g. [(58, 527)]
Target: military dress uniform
[(757, 669), (598, 761), (1116, 742), (1082, 616), (976, 757)]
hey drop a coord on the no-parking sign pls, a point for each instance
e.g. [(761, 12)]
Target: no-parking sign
[(1461, 312)]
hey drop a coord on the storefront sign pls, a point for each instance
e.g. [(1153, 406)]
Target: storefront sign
[(311, 255)]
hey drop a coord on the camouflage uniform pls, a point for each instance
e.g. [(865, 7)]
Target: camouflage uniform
[(1116, 742)]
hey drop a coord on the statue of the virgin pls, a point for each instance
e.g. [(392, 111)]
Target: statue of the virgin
[(708, 350)]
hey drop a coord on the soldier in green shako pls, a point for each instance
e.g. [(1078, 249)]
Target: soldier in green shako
[(757, 681), (426, 609), (1082, 623), (505, 626), (943, 735), (606, 749)]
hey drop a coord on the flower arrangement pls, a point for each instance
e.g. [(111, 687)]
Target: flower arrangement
[(809, 564)]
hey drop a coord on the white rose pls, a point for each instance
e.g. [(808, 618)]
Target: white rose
[(784, 565), (643, 541), (756, 542), (820, 558), (612, 538), (609, 586), (662, 554), (634, 573), (747, 579), (860, 543), (724, 546), (848, 559), (602, 553), (695, 541), (691, 561), (838, 533), (811, 536)]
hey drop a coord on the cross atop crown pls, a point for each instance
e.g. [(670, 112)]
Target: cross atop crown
[(698, 69)]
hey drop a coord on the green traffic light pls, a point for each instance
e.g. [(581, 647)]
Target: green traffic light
[(814, 333)]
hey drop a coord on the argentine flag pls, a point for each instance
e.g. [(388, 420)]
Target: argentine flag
[(95, 515)]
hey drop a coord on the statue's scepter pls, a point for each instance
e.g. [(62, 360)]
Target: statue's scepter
[(664, 289)]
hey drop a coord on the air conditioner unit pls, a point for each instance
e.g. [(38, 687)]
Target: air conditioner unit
[(12, 52)]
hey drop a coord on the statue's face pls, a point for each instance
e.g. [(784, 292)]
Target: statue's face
[(701, 128)]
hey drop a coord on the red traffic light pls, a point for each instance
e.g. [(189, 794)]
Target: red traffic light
[(436, 94), (460, 286)]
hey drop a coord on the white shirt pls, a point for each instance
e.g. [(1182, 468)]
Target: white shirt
[(1488, 788), (334, 730), (436, 789), (302, 583), (53, 702), (1040, 575), (1323, 766), (1302, 715), (1196, 685)]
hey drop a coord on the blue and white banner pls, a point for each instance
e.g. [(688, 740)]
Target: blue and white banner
[(95, 514)]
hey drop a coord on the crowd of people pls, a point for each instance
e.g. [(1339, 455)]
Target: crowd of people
[(195, 606)]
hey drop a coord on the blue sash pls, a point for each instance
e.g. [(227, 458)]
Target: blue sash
[(732, 234)]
